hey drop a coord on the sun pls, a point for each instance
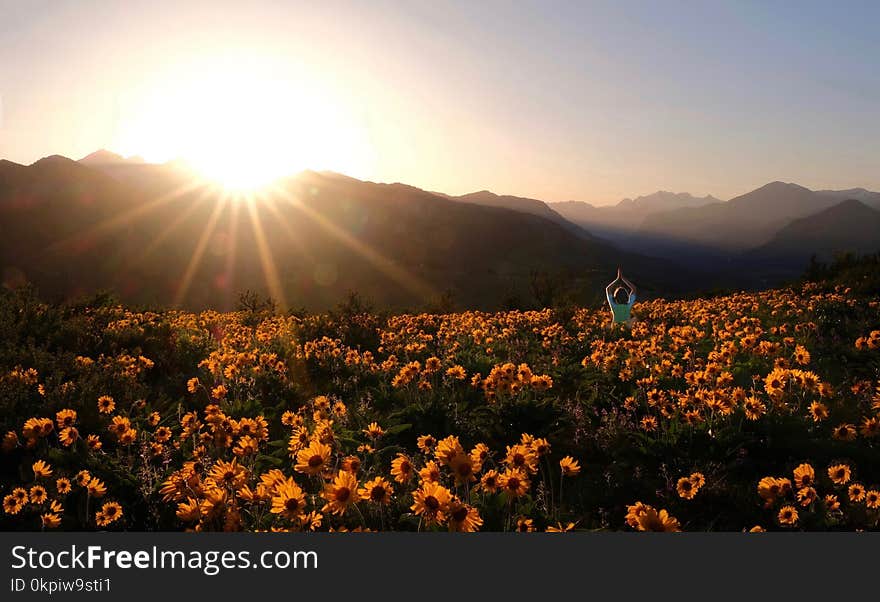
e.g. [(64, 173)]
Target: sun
[(244, 121)]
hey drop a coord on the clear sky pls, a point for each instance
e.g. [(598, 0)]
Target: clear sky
[(583, 100)]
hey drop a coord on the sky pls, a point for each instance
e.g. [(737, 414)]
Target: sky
[(588, 100)]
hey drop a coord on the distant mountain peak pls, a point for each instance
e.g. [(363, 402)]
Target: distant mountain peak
[(105, 157)]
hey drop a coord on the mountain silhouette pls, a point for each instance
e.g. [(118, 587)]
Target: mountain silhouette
[(741, 223), (522, 204), (850, 226), (154, 235), (618, 222)]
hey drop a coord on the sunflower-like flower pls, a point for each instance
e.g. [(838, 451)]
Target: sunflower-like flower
[(106, 404), (341, 493), (108, 514), (856, 492), (463, 518), (570, 467), (377, 490), (313, 459), (804, 476), (41, 470), (431, 502), (788, 516), (522, 457), (289, 500), (402, 469), (514, 482), (839, 474)]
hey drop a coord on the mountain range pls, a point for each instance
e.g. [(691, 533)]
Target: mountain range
[(155, 235)]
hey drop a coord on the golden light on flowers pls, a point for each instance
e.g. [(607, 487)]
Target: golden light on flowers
[(41, 470), (312, 459), (715, 368), (38, 494), (109, 513), (643, 517), (289, 500), (514, 482), (431, 502), (402, 469), (106, 404), (787, 516), (374, 431), (804, 476), (340, 493), (856, 492), (377, 490), (839, 473), (96, 487), (570, 467)]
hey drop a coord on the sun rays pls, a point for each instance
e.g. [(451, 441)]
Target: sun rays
[(224, 218)]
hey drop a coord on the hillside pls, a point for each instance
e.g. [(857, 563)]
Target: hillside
[(522, 204), (156, 238), (619, 222), (850, 226), (744, 222)]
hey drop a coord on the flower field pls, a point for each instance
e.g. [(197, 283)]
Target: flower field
[(753, 411)]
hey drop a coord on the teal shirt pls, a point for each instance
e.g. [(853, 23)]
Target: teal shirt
[(621, 311)]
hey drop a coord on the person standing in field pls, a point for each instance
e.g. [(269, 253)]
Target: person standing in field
[(621, 295)]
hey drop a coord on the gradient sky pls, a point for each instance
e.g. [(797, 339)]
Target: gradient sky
[(591, 101)]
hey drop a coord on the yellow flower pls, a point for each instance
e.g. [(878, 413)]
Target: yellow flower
[(50, 520), (377, 490), (757, 529), (788, 516), (643, 517), (463, 518), (96, 488), (514, 482), (289, 500), (65, 418), (490, 483), (804, 476), (228, 474), (106, 404), (401, 469), (11, 505), (525, 525), (569, 466), (560, 528), (192, 385), (426, 443), (41, 470), (686, 488), (872, 499), (819, 411), (109, 513), (431, 502), (806, 496), (62, 486), (856, 492), (839, 474), (463, 468), (312, 459), (340, 493), (522, 457), (374, 431), (68, 436), (38, 494)]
